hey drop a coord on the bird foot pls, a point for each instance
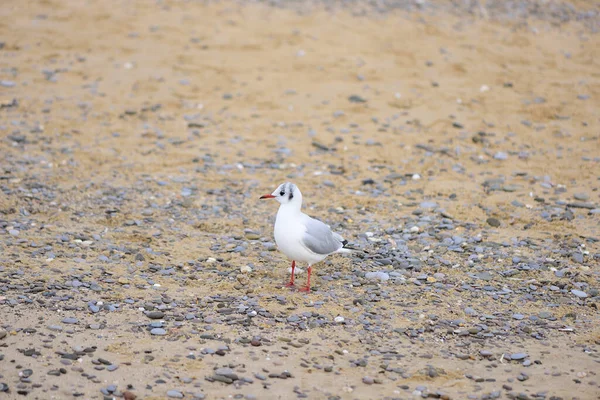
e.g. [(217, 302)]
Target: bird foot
[(290, 284), (304, 289)]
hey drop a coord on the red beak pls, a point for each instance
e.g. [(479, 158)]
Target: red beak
[(267, 196)]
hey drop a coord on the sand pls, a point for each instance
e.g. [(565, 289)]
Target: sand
[(103, 90)]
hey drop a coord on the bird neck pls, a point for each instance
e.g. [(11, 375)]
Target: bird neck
[(293, 207)]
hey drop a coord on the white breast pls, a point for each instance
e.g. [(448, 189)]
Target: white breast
[(289, 230)]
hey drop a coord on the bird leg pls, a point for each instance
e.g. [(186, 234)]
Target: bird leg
[(307, 287), (291, 282)]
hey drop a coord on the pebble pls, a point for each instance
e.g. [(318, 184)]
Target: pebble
[(367, 380), (227, 372), (379, 275), (501, 155), (158, 332), (155, 314), (494, 222), (581, 196), (518, 356), (170, 211), (175, 394)]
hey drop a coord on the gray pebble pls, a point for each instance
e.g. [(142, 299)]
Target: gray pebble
[(579, 293), (57, 328), (175, 394), (494, 222), (228, 372), (581, 196), (155, 314), (379, 275), (501, 155), (158, 332)]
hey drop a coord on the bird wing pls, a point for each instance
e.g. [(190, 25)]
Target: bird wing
[(319, 238)]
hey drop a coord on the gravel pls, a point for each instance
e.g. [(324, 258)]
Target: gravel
[(137, 261)]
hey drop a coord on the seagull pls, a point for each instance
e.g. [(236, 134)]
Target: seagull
[(300, 237)]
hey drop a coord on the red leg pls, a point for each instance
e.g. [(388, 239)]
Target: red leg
[(307, 287), (291, 282)]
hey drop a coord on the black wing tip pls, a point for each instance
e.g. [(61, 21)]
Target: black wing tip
[(345, 246)]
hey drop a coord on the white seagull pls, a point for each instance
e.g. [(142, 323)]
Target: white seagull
[(300, 237)]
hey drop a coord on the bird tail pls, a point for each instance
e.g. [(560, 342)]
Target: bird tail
[(347, 248)]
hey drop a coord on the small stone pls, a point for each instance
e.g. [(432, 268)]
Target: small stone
[(379, 275), (222, 378), (246, 269), (518, 356), (485, 276), (577, 257), (470, 311), (356, 99), (175, 394), (579, 293), (581, 196), (501, 155), (367, 380), (127, 395), (428, 204), (494, 222), (545, 315), (158, 332), (485, 353), (227, 372), (155, 314), (26, 373), (70, 320)]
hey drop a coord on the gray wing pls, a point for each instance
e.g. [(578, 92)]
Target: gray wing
[(319, 238)]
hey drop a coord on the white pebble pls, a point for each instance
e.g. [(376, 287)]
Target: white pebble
[(339, 319), (246, 269), (414, 229), (378, 275), (416, 177)]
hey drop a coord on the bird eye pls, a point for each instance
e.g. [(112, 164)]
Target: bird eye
[(281, 193)]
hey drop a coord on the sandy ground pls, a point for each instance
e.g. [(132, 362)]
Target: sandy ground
[(157, 125)]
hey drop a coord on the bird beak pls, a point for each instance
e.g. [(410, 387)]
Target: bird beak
[(267, 196)]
